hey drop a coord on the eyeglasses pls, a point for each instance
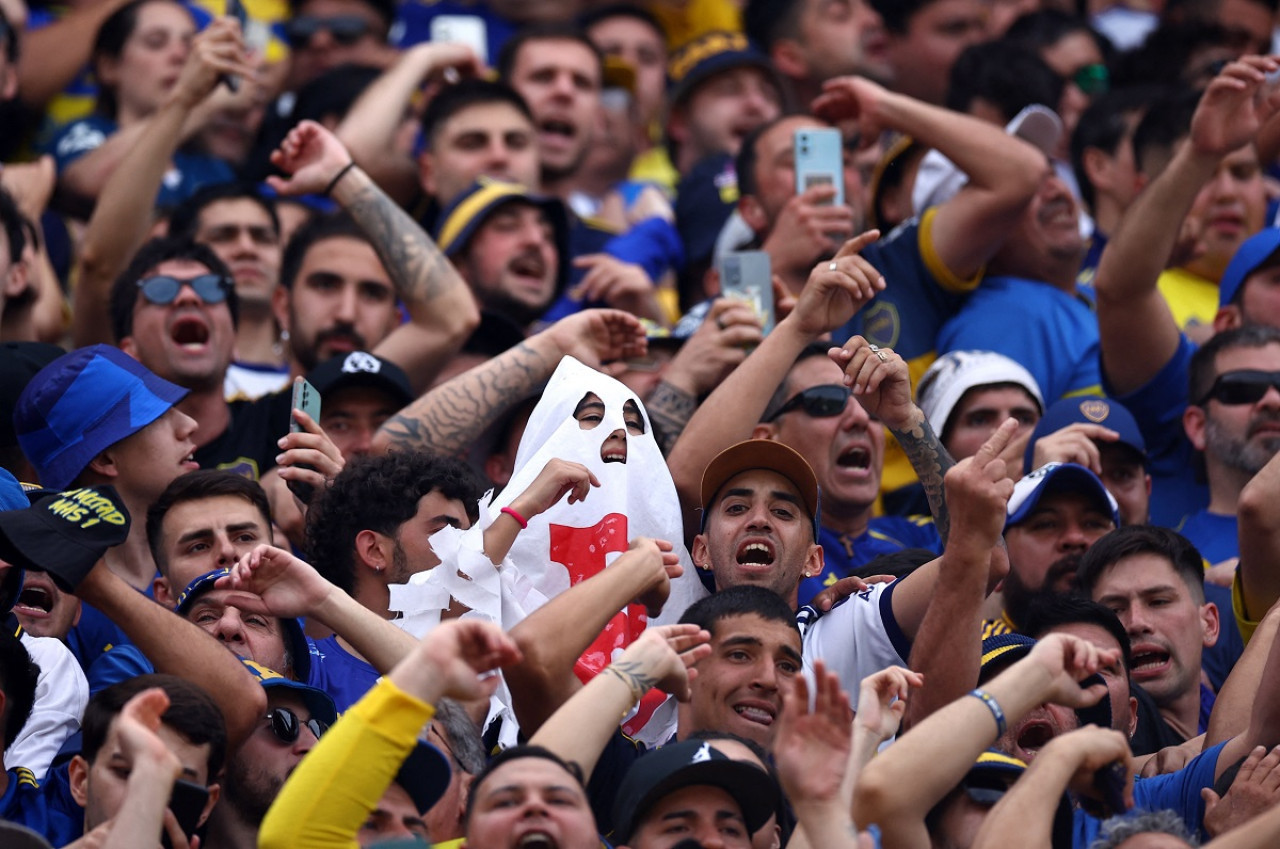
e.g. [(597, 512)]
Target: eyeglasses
[(1247, 386), (286, 725), (162, 289), (1092, 79), (820, 402), (345, 29)]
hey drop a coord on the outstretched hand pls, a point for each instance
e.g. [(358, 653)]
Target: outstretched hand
[(880, 380), (837, 288), (312, 156), (811, 747)]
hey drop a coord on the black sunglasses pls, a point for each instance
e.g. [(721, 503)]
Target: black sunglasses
[(162, 289), (1247, 386), (286, 725), (345, 29), (820, 402)]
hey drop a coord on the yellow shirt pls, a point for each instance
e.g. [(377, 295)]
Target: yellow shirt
[(1191, 298)]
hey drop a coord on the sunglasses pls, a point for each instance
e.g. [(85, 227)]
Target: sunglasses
[(1092, 79), (820, 402), (345, 29), (162, 289), (286, 725), (1246, 386)]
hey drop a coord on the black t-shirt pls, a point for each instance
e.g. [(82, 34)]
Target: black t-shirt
[(1153, 733), (249, 445)]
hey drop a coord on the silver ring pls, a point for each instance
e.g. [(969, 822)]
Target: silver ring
[(720, 322), (875, 349), (831, 266)]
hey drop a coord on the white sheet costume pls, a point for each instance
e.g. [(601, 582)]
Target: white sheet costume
[(569, 542)]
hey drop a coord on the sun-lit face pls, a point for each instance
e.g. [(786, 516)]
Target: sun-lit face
[(530, 799), (205, 534), (560, 79), (591, 411)]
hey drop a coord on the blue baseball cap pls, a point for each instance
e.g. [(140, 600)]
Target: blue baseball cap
[(1248, 258), (83, 403), (291, 629), (710, 54), (317, 701), (1058, 477), (463, 217), (1099, 411)]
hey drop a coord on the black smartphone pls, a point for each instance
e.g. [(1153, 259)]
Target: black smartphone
[(187, 802)]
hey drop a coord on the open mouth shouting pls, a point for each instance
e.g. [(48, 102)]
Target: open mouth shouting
[(1150, 661), (614, 449), (190, 333), (756, 554), (756, 711), (1033, 735)]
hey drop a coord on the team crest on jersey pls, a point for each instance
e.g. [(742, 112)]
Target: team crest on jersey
[(882, 325)]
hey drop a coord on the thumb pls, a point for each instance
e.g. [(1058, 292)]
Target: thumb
[(588, 260), (857, 243), (1211, 799)]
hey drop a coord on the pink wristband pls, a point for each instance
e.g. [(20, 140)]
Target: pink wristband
[(513, 514)]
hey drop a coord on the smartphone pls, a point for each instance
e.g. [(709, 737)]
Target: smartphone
[(819, 158), (748, 276), (307, 399), (187, 802), (235, 9), (1108, 783), (463, 29)]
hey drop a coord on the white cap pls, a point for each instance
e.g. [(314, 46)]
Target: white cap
[(938, 179), (955, 373), (1069, 477)]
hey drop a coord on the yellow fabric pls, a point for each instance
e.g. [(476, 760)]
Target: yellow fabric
[(335, 788), (946, 278), (262, 14), (685, 21), (1246, 625), (654, 166), (1191, 298)]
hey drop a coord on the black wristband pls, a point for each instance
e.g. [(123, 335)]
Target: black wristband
[(333, 184)]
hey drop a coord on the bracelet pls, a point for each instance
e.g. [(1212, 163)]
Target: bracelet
[(989, 700), (328, 190), (513, 514)]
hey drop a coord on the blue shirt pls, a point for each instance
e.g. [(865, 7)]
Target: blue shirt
[(1052, 333), (40, 807), (1157, 407), (843, 554), (1177, 791)]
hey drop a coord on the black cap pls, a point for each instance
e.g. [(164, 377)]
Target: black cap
[(19, 362), (360, 368), (693, 763), (64, 534)]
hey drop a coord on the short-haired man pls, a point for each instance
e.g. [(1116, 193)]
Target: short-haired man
[(511, 247), (924, 39), (358, 392), (324, 34), (240, 225), (1153, 579), (559, 73), (810, 41)]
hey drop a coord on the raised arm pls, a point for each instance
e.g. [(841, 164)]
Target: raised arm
[(554, 636), (1004, 172), (122, 216), (661, 657), (834, 292), (373, 121), (178, 647), (1024, 815), (450, 417), (947, 648), (1258, 512), (442, 310), (53, 55), (1137, 330), (901, 784)]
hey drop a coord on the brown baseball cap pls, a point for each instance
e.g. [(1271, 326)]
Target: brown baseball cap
[(766, 454)]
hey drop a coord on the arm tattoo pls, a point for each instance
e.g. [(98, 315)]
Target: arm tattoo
[(450, 417), (670, 409), (419, 271), (931, 462), (632, 673)]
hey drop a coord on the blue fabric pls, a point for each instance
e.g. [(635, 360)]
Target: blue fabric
[(345, 677), (653, 244), (413, 23), (94, 636), (1053, 334), (1177, 791), (39, 807), (884, 535), (1158, 408), (911, 310), (190, 171)]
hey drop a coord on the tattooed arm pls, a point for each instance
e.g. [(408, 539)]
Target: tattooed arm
[(448, 419), (661, 658), (441, 309), (670, 409), (882, 384)]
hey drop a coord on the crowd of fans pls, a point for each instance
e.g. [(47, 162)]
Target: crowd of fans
[(392, 451)]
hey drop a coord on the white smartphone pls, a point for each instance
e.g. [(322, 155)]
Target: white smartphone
[(462, 29)]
